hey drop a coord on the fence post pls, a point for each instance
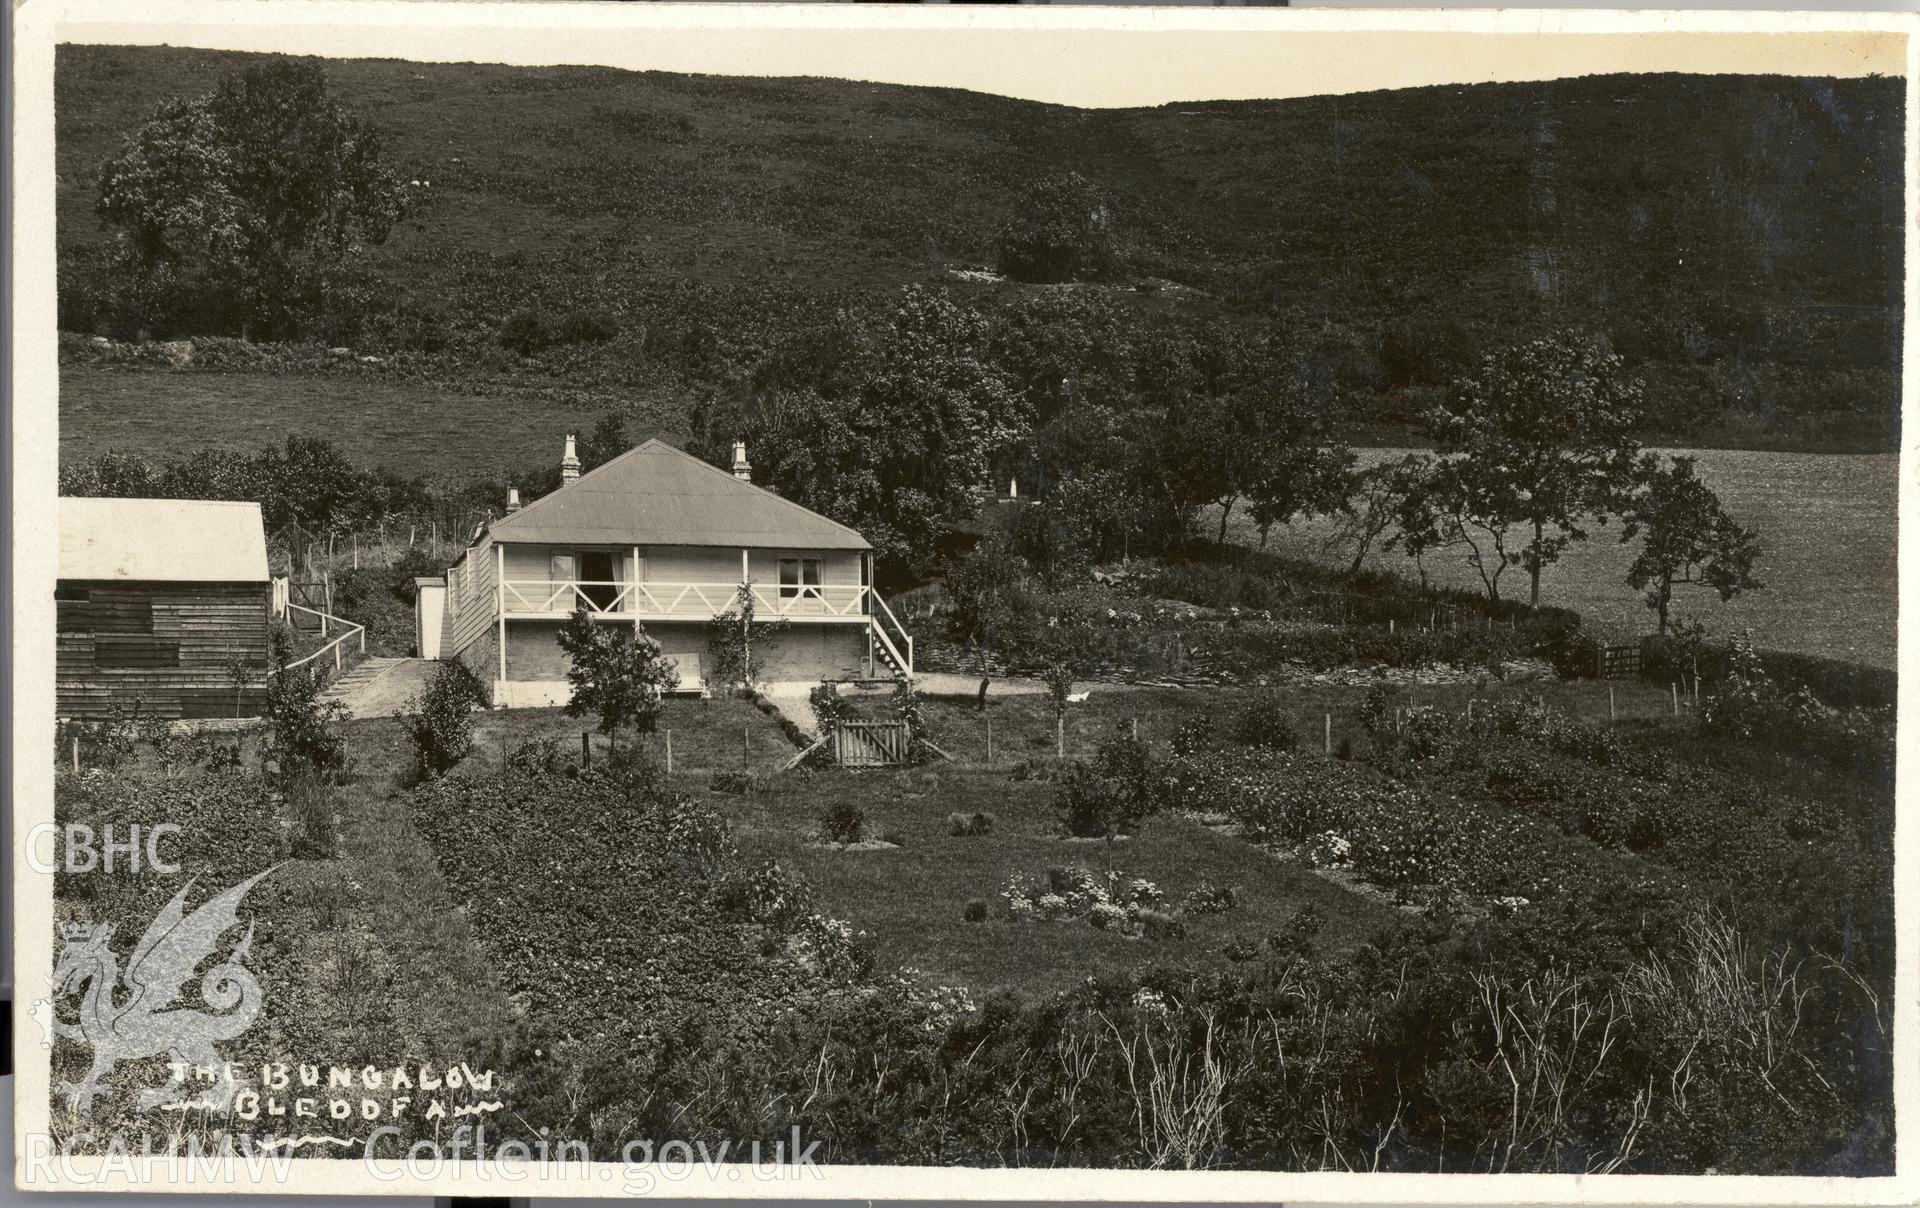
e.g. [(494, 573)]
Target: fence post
[(586, 751), (1060, 734), (989, 742), (746, 747), (1328, 735), (336, 656), (76, 752), (1611, 715), (669, 752)]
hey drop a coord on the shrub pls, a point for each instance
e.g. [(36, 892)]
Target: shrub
[(736, 783), (1111, 796), (535, 757), (440, 721), (764, 893), (962, 826), (585, 327), (1265, 723), (1208, 898), (896, 838), (305, 728), (525, 332), (842, 823), (976, 910), (1195, 734), (1159, 925), (635, 770)]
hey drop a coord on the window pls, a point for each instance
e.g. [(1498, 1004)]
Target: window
[(560, 568), (799, 578)]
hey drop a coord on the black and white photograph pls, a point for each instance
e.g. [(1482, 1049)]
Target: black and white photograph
[(731, 605)]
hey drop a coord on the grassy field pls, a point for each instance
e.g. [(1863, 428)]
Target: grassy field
[(412, 429), (1829, 539)]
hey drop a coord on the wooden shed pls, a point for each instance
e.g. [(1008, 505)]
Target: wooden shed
[(163, 602)]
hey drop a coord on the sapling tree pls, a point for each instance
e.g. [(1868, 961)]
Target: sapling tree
[(1058, 677), (1687, 537), (616, 673)]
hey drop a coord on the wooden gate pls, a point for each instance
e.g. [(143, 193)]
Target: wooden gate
[(314, 595), (1620, 662), (871, 744)]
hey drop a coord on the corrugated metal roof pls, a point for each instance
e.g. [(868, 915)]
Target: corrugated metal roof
[(162, 540), (657, 495)]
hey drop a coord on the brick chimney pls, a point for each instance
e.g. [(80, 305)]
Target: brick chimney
[(513, 500), (569, 463), (741, 469)]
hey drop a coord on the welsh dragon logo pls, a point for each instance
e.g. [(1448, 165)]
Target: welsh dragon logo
[(146, 1021)]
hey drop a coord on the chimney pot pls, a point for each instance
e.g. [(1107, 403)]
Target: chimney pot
[(569, 463), (513, 500), (741, 470)]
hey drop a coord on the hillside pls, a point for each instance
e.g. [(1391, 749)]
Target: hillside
[(1737, 236)]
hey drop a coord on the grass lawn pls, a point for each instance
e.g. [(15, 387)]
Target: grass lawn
[(912, 898)]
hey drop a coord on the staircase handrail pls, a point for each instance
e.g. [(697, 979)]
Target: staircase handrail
[(350, 632)]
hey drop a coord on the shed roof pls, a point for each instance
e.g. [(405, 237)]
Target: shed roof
[(162, 540), (656, 494)]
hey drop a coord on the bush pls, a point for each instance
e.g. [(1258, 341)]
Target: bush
[(535, 757), (842, 823), (633, 768), (1111, 796), (1208, 898), (585, 327), (525, 332), (1195, 734), (1265, 723), (305, 728), (962, 826), (736, 783), (440, 721), (976, 910)]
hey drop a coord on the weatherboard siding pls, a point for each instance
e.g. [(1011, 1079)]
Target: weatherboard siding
[(165, 645)]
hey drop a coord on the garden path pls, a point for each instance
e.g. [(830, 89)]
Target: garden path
[(381, 687)]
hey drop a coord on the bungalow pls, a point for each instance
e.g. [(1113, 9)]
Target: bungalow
[(663, 541), (160, 602)]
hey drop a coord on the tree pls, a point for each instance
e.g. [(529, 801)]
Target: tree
[(1689, 539), (1061, 230), (248, 201), (606, 440), (1538, 436), (616, 673), (984, 595), (1376, 499), (901, 449)]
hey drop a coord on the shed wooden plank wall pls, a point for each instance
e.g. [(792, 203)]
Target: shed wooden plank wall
[(165, 644)]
